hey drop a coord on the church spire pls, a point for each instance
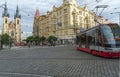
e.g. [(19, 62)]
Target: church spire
[(17, 14), (5, 13), (17, 9), (37, 14)]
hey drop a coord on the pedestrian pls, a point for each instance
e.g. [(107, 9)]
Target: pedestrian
[(28, 44)]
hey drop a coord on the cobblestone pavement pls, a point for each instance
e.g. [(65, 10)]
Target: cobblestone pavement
[(60, 61)]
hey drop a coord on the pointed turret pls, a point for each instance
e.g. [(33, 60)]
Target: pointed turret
[(37, 14), (5, 13), (85, 7), (17, 14)]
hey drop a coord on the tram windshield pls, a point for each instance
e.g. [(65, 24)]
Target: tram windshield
[(111, 35)]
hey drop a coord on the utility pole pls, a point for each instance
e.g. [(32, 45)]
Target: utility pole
[(1, 6), (0, 43)]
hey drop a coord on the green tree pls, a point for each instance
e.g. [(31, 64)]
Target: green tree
[(37, 39), (42, 39), (52, 38), (6, 39), (30, 39)]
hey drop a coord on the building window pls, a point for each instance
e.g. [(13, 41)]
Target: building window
[(5, 20), (65, 10), (17, 21), (65, 17), (57, 14), (60, 12), (83, 14), (80, 13)]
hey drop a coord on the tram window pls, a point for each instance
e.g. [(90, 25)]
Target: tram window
[(97, 38), (91, 38)]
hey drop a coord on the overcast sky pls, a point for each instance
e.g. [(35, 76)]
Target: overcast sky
[(28, 7)]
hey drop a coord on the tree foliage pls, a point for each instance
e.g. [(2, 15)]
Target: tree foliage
[(42, 39), (35, 39), (6, 39), (52, 38), (29, 39)]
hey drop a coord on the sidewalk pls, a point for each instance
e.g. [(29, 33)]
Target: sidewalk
[(13, 47), (26, 47)]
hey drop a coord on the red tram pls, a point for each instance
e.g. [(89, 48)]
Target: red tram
[(102, 40)]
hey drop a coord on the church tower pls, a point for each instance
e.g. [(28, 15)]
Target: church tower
[(17, 19), (5, 17)]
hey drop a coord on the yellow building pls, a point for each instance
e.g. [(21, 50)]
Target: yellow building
[(64, 22), (13, 29)]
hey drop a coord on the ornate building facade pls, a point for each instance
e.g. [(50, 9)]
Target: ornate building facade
[(13, 29), (64, 22)]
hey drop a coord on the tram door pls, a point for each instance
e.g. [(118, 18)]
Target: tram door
[(97, 40), (93, 39)]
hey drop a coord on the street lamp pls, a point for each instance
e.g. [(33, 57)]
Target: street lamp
[(1, 6), (9, 42), (118, 14), (0, 43)]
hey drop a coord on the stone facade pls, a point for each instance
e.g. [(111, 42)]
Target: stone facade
[(13, 29), (64, 22)]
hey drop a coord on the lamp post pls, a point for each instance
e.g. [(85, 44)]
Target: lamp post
[(0, 43), (1, 6), (9, 42), (118, 14)]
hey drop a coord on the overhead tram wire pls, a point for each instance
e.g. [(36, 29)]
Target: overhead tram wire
[(117, 8), (98, 1), (103, 9), (107, 2), (88, 3), (102, 3)]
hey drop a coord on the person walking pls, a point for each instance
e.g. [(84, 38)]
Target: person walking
[(29, 44)]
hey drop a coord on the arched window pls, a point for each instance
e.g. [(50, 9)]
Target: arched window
[(17, 21)]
